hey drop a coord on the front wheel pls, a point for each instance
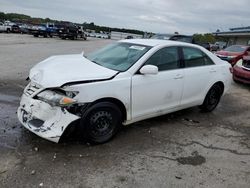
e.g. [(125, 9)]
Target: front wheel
[(212, 99), (101, 122)]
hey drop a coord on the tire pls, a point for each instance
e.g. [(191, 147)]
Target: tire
[(236, 81), (73, 38), (8, 30), (212, 98), (35, 35), (101, 122)]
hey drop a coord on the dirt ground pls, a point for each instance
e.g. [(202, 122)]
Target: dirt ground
[(183, 149)]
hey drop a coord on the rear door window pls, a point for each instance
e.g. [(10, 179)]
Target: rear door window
[(194, 57)]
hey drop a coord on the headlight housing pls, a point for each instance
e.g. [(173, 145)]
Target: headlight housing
[(55, 98)]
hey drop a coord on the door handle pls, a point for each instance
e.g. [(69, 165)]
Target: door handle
[(178, 76), (212, 70)]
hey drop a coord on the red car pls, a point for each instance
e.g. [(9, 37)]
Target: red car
[(233, 53), (241, 70)]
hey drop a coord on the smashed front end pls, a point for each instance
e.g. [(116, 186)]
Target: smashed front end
[(241, 71), (44, 111)]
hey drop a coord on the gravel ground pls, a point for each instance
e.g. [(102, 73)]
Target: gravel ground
[(183, 149)]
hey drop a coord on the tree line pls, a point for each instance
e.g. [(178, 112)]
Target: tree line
[(15, 17), (22, 18)]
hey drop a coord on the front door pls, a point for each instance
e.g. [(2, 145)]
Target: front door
[(155, 94)]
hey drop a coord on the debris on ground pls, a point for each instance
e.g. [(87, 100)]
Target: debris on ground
[(178, 177), (33, 172), (190, 120)]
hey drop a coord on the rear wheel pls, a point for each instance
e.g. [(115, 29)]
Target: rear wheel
[(101, 122), (212, 98)]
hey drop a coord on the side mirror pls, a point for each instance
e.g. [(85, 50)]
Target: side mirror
[(149, 69)]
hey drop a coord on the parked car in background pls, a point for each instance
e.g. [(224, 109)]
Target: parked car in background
[(183, 38), (214, 47), (219, 46), (15, 29), (100, 35), (92, 34), (67, 31), (233, 53), (9, 23), (161, 36), (189, 39), (125, 82), (81, 33), (51, 29), (241, 70), (129, 37), (38, 30), (206, 45), (45, 30), (4, 27), (23, 28)]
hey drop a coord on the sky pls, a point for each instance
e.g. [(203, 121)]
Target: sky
[(158, 16)]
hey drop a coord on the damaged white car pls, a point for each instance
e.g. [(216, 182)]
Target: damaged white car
[(125, 82)]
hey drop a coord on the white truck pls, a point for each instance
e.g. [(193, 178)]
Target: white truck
[(4, 27)]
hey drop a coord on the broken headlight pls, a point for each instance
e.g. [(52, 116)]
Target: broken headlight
[(55, 98)]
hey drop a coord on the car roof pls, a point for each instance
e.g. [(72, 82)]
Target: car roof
[(156, 42)]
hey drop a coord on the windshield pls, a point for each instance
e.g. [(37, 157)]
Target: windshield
[(235, 49), (119, 56)]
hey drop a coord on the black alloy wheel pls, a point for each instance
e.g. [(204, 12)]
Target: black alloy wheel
[(212, 98)]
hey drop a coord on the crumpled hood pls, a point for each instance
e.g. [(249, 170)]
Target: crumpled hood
[(58, 70)]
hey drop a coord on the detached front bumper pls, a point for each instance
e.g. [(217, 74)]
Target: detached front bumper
[(46, 121)]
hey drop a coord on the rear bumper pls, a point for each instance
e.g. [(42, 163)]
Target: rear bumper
[(44, 120), (241, 75)]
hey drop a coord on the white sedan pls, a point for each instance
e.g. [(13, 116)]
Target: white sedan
[(128, 81)]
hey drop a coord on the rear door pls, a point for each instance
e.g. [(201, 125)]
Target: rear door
[(199, 71), (154, 94)]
